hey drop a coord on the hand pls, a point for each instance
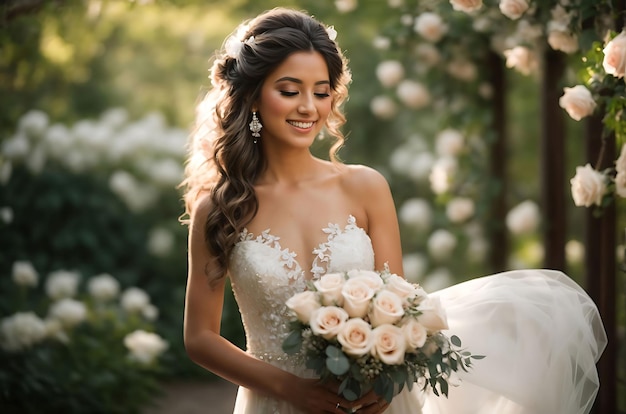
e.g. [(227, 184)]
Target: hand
[(371, 403), (312, 396)]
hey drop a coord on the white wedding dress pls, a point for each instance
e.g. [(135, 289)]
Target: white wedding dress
[(540, 332)]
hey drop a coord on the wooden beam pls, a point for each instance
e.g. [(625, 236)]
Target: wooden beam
[(553, 161)]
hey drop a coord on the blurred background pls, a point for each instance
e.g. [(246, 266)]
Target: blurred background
[(97, 98)]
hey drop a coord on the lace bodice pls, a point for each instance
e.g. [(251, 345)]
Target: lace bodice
[(265, 274)]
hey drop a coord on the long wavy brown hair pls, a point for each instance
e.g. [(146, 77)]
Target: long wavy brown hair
[(223, 158)]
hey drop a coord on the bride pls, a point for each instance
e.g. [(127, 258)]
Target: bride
[(270, 216)]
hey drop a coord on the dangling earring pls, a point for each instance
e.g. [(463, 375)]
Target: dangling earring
[(255, 126)]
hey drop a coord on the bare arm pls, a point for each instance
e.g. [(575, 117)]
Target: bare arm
[(375, 195), (206, 347)]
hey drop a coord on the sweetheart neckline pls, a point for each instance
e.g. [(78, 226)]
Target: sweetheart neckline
[(320, 253)]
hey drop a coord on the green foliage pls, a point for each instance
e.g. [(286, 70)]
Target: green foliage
[(76, 368)]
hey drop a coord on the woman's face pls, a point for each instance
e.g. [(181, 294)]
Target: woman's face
[(295, 100)]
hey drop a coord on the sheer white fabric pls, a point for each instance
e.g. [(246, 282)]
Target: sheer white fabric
[(540, 332)]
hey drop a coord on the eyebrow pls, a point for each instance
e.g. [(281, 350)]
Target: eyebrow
[(294, 80)]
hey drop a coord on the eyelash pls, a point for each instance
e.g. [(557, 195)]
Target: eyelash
[(289, 93)]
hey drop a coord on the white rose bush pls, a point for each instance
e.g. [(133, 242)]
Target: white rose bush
[(374, 330), (77, 348)]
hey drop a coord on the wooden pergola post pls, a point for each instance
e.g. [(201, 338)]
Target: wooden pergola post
[(553, 161), (497, 165), (601, 267)]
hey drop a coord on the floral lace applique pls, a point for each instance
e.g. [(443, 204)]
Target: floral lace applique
[(287, 257), (323, 251)]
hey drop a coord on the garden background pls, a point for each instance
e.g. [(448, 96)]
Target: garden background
[(97, 98)]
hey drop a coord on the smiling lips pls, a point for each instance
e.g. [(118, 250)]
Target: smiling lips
[(302, 125)]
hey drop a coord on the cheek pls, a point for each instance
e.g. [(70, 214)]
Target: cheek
[(274, 106)]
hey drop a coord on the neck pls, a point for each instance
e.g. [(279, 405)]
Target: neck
[(289, 168)]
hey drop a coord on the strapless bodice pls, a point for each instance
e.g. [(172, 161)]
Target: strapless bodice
[(265, 274)]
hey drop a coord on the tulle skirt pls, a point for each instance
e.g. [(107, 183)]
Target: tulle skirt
[(541, 335)]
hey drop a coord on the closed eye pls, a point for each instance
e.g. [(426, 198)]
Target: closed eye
[(288, 93), (322, 95)]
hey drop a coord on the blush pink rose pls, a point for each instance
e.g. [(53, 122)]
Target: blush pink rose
[(389, 344), (614, 62)]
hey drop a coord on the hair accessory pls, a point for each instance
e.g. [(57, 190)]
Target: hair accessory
[(332, 33), (255, 126), (234, 44)]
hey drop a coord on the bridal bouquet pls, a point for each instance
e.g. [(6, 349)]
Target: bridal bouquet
[(374, 330)]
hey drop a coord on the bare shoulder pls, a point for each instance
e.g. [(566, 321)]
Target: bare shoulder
[(201, 207), (361, 179)]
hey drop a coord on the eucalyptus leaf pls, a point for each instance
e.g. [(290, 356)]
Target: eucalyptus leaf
[(293, 343), (336, 361)]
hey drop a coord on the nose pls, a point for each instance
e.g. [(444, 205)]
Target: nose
[(306, 104)]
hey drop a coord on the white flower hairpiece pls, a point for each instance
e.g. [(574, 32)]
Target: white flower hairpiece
[(234, 44), (332, 33)]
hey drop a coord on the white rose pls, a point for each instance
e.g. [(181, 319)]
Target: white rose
[(24, 274), (620, 163), (521, 59), (416, 212), (166, 173), (420, 166), (357, 295), (6, 213), (383, 107), (150, 312), (563, 40), (69, 312), (389, 72), (160, 242), (34, 123), (414, 265), (459, 209), (62, 284), (413, 94), (370, 277), (55, 330), (442, 174), (466, 6), (614, 62), (401, 287), (588, 186), (21, 330), (381, 43), (16, 147), (356, 337), (345, 6), (620, 184), (578, 102), (103, 287), (449, 142), (145, 346), (328, 321), (430, 26), (415, 334), (389, 344), (523, 218), (574, 251), (386, 308), (441, 243), (433, 316), (513, 9), (134, 299), (304, 304), (329, 286), (462, 69)]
